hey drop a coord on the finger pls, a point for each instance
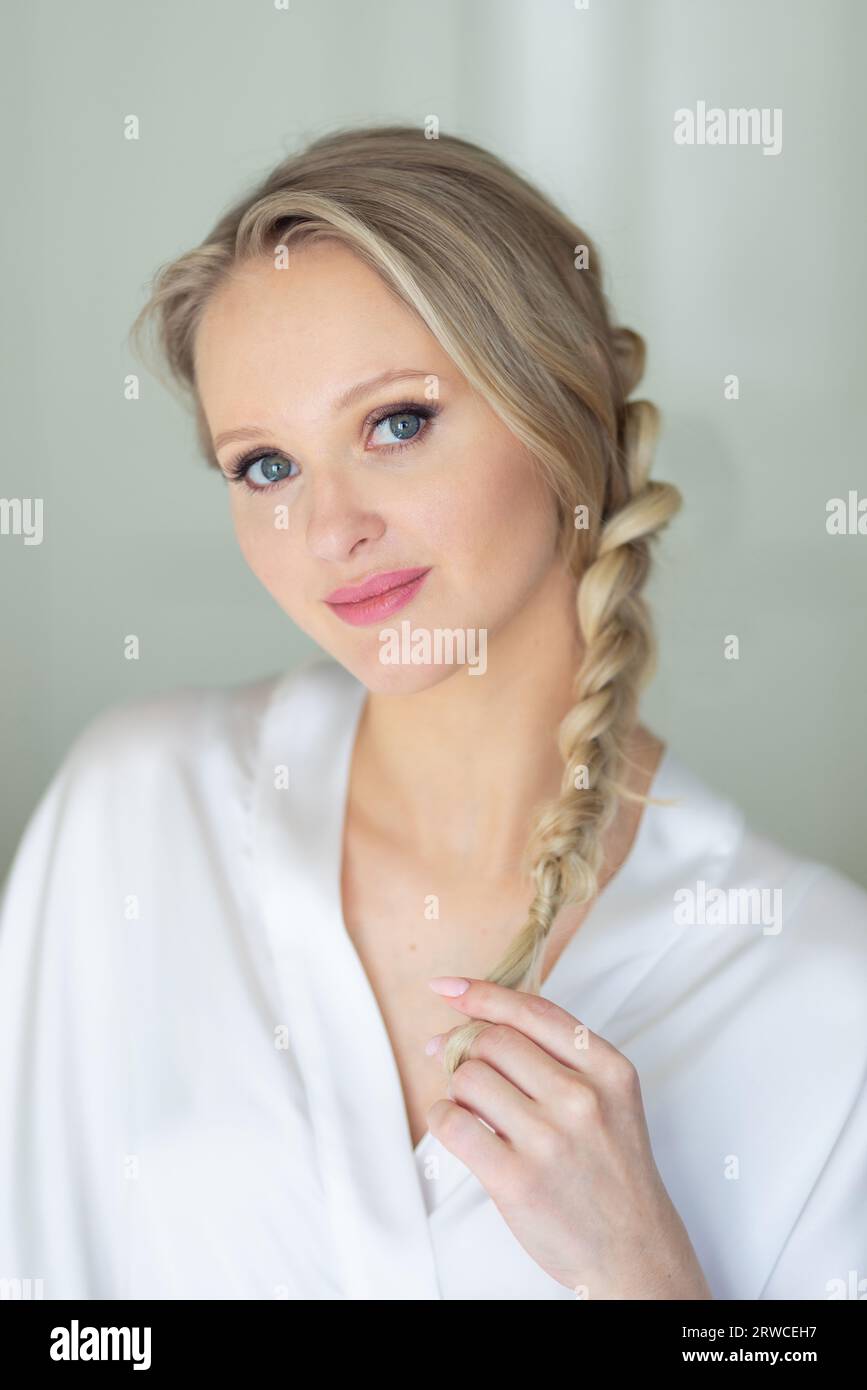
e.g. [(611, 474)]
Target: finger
[(486, 1155), (552, 1028), (489, 1095), (515, 1056)]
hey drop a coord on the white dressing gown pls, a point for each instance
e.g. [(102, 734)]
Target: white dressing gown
[(198, 1094)]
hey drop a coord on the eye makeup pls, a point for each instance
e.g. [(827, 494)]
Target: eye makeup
[(236, 470)]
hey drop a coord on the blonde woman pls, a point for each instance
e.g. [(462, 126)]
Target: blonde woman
[(426, 971)]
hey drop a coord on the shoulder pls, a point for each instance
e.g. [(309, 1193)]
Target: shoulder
[(179, 723), (194, 726), (160, 764), (795, 921), (167, 784)]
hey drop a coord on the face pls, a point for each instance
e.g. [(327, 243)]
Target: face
[(377, 497)]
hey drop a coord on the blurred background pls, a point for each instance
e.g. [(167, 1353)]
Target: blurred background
[(728, 261)]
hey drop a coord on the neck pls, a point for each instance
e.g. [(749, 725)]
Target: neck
[(462, 764)]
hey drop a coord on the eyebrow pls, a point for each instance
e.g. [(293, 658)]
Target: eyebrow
[(341, 402)]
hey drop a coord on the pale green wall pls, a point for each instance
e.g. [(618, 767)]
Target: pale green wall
[(725, 259)]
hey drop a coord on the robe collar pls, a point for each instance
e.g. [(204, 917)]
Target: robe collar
[(370, 1173)]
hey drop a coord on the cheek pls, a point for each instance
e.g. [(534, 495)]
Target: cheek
[(267, 547), (504, 523)]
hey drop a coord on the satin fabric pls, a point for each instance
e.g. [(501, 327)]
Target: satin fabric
[(199, 1095)]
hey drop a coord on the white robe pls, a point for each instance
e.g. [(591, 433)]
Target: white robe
[(198, 1093)]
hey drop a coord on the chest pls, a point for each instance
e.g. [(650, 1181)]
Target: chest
[(409, 921)]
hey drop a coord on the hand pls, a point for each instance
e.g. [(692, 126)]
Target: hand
[(569, 1162)]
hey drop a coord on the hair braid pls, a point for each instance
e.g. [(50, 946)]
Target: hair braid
[(564, 853)]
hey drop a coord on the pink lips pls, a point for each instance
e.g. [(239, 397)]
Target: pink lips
[(377, 597)]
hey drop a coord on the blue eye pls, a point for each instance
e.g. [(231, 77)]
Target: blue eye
[(402, 426), (404, 423), (263, 470)]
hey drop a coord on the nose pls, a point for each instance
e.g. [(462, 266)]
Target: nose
[(339, 521)]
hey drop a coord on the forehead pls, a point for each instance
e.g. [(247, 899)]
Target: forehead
[(304, 332)]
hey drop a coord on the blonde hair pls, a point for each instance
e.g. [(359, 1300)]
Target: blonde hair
[(511, 288)]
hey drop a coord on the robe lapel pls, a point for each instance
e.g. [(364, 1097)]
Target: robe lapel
[(367, 1166), (372, 1178)]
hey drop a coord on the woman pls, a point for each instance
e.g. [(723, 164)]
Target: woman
[(426, 971)]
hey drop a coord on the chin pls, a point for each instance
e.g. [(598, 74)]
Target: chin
[(381, 679), (404, 657)]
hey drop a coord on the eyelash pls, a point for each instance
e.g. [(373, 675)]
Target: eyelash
[(238, 468)]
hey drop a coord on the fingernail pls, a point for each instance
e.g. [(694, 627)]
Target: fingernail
[(449, 984), (432, 1044)]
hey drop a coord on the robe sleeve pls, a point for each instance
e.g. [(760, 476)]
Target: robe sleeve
[(62, 1062), (824, 1255)]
